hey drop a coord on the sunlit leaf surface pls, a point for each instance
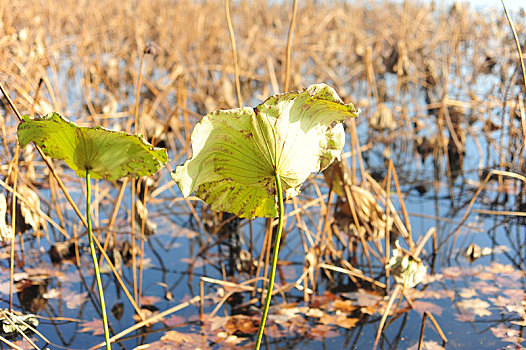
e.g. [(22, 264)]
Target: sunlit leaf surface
[(107, 154), (236, 153)]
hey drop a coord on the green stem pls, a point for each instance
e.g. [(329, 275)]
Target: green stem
[(274, 262), (95, 261)]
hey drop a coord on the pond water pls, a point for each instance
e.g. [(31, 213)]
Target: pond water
[(477, 304)]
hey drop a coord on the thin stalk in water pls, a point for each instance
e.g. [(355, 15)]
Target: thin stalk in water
[(95, 262), (274, 262)]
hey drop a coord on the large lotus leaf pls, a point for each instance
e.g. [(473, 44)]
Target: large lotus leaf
[(237, 152), (107, 154)]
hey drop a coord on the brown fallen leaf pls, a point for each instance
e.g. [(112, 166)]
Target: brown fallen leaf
[(73, 299), (174, 320), (507, 334), (314, 312), (149, 300), (321, 331), (96, 327), (467, 293), (177, 340), (321, 301), (421, 306), (521, 323), (339, 320), (453, 272), (177, 337), (501, 301), (241, 323), (345, 306), (468, 318), (498, 268), (230, 339), (348, 322), (476, 306), (486, 288)]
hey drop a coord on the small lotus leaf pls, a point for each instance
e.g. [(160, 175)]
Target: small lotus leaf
[(237, 152), (106, 153)]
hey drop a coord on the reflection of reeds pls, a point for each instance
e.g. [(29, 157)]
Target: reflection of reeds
[(443, 76)]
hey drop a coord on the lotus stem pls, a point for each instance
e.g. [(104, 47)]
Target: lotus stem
[(95, 262), (274, 262)]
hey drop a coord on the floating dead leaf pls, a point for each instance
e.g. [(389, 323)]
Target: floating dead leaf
[(364, 297), (345, 306), (216, 322), (484, 275), (241, 323), (485, 287), (315, 313), (4, 287), (96, 327), (347, 322), (292, 312), (329, 319), (514, 294), (232, 339), (43, 271), (463, 317), (180, 340), (421, 306), (507, 334), (518, 308), (521, 323), (476, 306), (432, 278), (149, 300), (146, 312), (339, 320), (73, 299), (429, 293), (498, 268), (322, 331), (174, 321), (51, 294), (467, 293), (275, 331), (321, 301), (453, 272)]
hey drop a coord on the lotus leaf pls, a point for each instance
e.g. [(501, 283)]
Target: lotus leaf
[(238, 152), (105, 153)]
